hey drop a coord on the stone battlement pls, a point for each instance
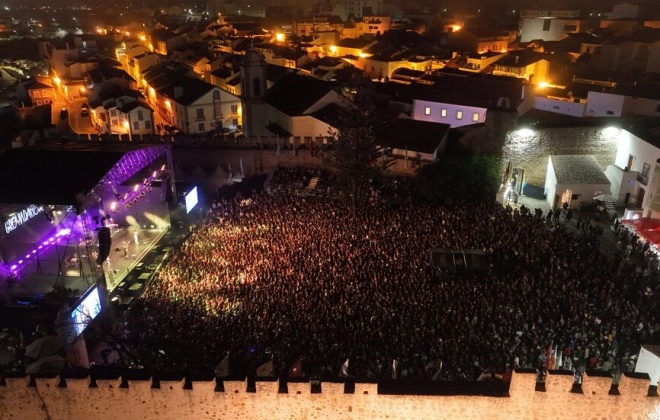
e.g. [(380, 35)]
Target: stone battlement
[(121, 398)]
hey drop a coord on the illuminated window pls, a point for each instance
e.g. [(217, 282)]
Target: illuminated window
[(475, 117), (459, 115), (427, 110), (443, 113)]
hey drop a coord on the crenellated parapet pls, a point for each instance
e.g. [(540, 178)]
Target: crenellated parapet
[(131, 395)]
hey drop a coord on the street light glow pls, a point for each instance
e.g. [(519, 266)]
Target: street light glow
[(611, 131), (525, 132)]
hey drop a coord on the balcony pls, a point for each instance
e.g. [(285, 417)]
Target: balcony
[(644, 179)]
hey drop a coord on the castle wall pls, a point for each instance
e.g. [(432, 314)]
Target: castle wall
[(171, 401)]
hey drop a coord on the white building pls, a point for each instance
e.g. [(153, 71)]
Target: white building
[(190, 104), (549, 28), (293, 106), (460, 101), (574, 179), (635, 174)]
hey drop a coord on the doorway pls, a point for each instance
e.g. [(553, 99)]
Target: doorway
[(640, 198), (566, 198)]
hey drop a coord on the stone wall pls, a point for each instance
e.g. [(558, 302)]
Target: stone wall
[(139, 401)]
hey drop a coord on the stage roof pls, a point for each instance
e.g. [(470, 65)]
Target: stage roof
[(53, 174)]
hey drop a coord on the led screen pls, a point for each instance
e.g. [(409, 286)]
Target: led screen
[(191, 200), (88, 308)]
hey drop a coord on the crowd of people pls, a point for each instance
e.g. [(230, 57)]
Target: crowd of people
[(282, 277)]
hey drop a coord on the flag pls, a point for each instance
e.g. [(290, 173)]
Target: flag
[(266, 369), (560, 361), (344, 370), (77, 354), (555, 358), (222, 370), (507, 172), (296, 369), (438, 374), (548, 356), (395, 364)]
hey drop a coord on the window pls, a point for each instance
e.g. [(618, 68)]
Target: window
[(200, 114), (44, 93), (113, 113), (113, 122), (609, 112), (427, 110), (570, 28), (643, 177), (140, 116), (201, 127), (136, 125), (234, 109), (36, 93), (459, 115), (443, 113), (546, 24), (147, 125), (475, 117)]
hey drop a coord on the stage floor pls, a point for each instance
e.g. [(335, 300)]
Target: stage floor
[(126, 254)]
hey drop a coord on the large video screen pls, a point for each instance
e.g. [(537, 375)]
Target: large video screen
[(88, 308), (191, 200)]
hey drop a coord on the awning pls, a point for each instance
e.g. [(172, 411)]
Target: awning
[(647, 228)]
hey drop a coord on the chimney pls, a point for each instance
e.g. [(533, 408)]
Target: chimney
[(178, 91)]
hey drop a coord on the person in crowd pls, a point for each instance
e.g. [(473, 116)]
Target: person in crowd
[(283, 276)]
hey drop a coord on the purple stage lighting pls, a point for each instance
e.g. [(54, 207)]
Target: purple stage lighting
[(40, 248)]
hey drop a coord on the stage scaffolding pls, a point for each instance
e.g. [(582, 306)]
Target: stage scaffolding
[(130, 164)]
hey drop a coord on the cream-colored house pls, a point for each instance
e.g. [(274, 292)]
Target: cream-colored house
[(574, 180), (523, 64)]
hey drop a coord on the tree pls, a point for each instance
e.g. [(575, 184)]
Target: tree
[(355, 153), (460, 178)]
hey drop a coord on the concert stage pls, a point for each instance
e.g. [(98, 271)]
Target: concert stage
[(79, 214)]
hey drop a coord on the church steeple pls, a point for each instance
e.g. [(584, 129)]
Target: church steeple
[(253, 74), (253, 91)]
